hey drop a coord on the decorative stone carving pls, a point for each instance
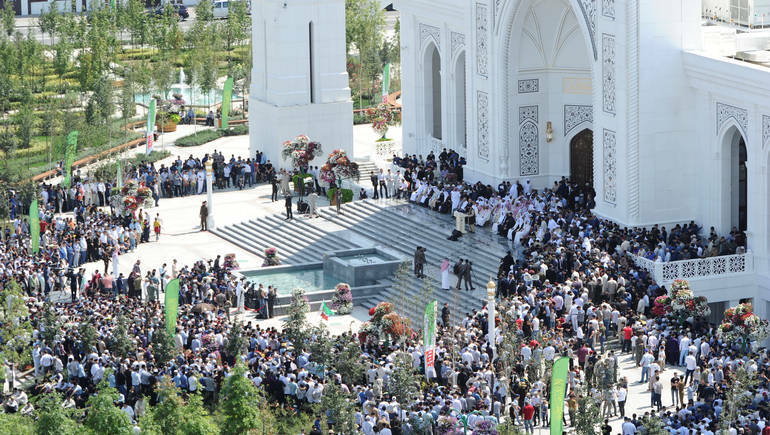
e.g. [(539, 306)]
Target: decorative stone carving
[(458, 42), (482, 45), (726, 112), (588, 7), (529, 86), (427, 31), (608, 73), (765, 130), (610, 167), (608, 8), (575, 115), (528, 149), (483, 123), (529, 141), (527, 113)]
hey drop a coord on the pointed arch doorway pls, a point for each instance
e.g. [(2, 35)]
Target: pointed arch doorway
[(581, 158)]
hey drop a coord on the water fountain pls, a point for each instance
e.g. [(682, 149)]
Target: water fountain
[(190, 95)]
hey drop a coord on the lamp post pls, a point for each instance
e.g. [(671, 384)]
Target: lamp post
[(209, 189), (491, 316)]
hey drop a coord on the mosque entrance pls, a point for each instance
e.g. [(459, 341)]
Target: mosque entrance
[(581, 158)]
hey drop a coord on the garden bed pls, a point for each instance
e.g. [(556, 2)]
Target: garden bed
[(206, 136)]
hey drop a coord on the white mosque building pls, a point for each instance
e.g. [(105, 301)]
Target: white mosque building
[(664, 110)]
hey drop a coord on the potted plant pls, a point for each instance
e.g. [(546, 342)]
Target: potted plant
[(167, 122)]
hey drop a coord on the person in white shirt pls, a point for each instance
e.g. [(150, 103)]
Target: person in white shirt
[(690, 365), (628, 427)]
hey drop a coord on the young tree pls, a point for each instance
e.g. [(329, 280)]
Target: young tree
[(102, 416), (47, 20), (104, 99), (339, 410), (403, 385), (25, 119), (348, 360), (588, 415), (321, 347), (296, 326), (204, 13), (8, 17), (121, 344), (53, 419), (162, 346), (87, 334), (238, 410), (172, 416), (15, 329), (236, 342), (49, 325), (737, 397)]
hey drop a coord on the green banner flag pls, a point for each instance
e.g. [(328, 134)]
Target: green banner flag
[(429, 336), (70, 151), (172, 305), (558, 388), (150, 126), (34, 226), (227, 96), (385, 82)]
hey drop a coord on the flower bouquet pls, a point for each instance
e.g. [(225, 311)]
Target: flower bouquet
[(661, 306), (740, 324), (485, 427), (342, 301), (301, 151), (383, 116), (144, 194), (447, 425), (396, 326), (271, 257), (339, 163), (684, 304)]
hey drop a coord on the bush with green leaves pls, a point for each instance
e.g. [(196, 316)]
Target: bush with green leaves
[(205, 136), (347, 194)]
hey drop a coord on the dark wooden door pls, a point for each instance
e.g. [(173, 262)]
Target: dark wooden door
[(581, 158)]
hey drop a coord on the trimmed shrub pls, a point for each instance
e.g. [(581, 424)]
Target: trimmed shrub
[(199, 138), (347, 194)]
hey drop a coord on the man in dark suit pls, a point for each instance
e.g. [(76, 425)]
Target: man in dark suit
[(289, 215), (467, 275), (460, 272), (274, 183), (445, 315), (373, 178), (419, 262)]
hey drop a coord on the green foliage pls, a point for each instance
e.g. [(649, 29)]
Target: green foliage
[(101, 105), (296, 326), (348, 360), (588, 416), (347, 194), (15, 329), (8, 18), (736, 398), (199, 138), (87, 334), (236, 342), (340, 411), (18, 424), (321, 347), (173, 416), (238, 410), (162, 346), (109, 170), (289, 422), (653, 425), (402, 383), (121, 344), (25, 120), (103, 417), (53, 419), (50, 325)]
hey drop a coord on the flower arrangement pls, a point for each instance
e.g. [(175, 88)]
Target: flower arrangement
[(271, 258), (301, 151), (446, 425), (485, 427), (385, 323), (342, 300), (383, 116), (661, 306), (740, 324), (684, 304), (341, 166)]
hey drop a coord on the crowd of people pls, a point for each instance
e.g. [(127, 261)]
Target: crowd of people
[(568, 289)]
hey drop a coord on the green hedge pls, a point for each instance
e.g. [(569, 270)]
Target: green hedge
[(205, 136), (296, 180), (347, 194)]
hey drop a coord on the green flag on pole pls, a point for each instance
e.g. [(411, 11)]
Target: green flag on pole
[(558, 388), (326, 311), (70, 151), (150, 126), (227, 96), (385, 82), (429, 336), (34, 226), (172, 305)]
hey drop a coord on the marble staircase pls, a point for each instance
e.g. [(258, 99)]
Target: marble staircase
[(297, 241), (402, 227)]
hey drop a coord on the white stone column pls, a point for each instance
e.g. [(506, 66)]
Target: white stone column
[(209, 196)]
